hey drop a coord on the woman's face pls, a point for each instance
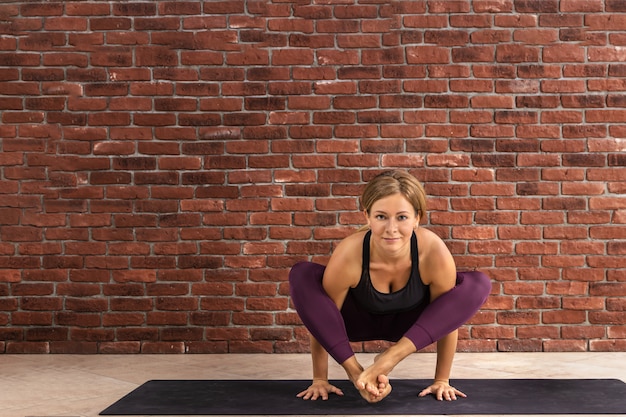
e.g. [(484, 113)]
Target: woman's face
[(392, 220)]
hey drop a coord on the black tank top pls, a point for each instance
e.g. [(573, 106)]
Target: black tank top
[(413, 294)]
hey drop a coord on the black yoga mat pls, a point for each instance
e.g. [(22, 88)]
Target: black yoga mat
[(272, 397)]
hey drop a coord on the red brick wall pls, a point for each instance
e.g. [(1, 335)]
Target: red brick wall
[(164, 163)]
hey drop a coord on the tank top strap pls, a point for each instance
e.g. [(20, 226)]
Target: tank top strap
[(366, 251), (415, 257)]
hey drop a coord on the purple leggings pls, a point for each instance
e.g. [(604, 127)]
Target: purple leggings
[(335, 329)]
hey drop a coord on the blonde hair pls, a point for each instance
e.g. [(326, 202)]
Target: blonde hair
[(394, 182)]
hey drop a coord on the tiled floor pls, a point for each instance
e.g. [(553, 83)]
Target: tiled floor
[(84, 385)]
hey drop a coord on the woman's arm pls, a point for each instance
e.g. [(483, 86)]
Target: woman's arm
[(446, 348), (440, 270), (320, 387), (343, 272), (319, 357)]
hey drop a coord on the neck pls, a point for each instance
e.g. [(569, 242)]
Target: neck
[(381, 255)]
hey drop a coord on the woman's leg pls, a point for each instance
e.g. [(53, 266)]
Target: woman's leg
[(451, 309), (318, 311)]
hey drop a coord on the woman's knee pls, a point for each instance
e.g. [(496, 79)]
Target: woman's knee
[(304, 276), (479, 283)]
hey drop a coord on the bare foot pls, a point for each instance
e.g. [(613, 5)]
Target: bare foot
[(373, 383), (380, 392)]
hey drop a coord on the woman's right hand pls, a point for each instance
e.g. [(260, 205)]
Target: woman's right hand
[(320, 388)]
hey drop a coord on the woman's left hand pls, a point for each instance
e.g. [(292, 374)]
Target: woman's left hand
[(442, 390)]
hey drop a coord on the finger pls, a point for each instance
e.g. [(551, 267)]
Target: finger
[(323, 394), (459, 393), (337, 391), (301, 394), (424, 392), (439, 395)]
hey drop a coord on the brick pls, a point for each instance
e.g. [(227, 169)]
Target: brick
[(427, 55), (615, 318), (162, 347), (569, 53), (516, 53), (446, 101), (563, 317), (293, 56)]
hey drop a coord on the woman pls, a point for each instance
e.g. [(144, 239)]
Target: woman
[(392, 280)]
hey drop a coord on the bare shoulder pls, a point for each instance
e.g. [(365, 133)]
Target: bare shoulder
[(430, 243), (436, 261), (346, 261)]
